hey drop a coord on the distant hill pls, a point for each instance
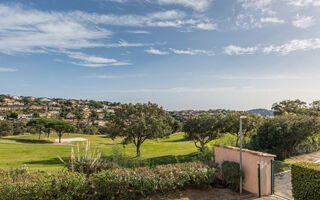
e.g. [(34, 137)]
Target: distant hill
[(261, 111)]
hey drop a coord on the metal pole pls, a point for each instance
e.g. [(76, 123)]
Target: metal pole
[(241, 117), (240, 155)]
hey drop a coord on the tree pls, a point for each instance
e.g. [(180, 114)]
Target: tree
[(39, 124), (231, 124), (61, 127), (6, 128), (140, 122), (289, 106), (202, 129), (283, 134)]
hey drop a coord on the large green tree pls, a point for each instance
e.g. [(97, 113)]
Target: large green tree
[(140, 122), (289, 106), (6, 128), (61, 127), (39, 124), (282, 135), (231, 124), (202, 129)]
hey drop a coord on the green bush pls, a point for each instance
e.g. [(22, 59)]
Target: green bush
[(231, 174), (117, 183), (86, 160), (286, 135), (63, 185), (132, 184), (306, 181)]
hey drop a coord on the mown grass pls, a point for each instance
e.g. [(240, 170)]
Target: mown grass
[(42, 155)]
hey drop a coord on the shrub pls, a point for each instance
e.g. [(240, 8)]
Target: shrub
[(86, 161), (231, 174), (63, 185), (282, 135), (119, 183), (306, 181), (132, 184)]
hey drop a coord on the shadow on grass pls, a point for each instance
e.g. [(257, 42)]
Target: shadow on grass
[(33, 141), (172, 159), (179, 140), (52, 161)]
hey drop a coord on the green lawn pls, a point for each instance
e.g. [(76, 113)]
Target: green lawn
[(42, 155)]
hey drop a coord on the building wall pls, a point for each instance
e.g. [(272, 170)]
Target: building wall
[(250, 161)]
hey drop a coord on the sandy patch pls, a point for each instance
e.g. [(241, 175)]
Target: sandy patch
[(78, 139)]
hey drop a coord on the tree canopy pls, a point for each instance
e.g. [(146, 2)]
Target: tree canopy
[(140, 122), (231, 124), (281, 135), (61, 127), (202, 129)]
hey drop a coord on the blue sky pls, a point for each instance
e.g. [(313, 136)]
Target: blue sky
[(181, 54)]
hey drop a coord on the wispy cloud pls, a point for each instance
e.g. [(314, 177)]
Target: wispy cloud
[(26, 30), (93, 61), (139, 32), (259, 77), (236, 50), (256, 4), (7, 69), (156, 51), (303, 21), (199, 5), (304, 3), (171, 90), (274, 20), (207, 26), (294, 45), (192, 52)]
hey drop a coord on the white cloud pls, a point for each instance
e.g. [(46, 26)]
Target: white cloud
[(117, 1), (256, 4), (274, 20), (139, 32), (102, 76), (7, 69), (236, 50), (207, 26), (26, 30), (304, 3), (156, 51), (171, 90), (247, 21), (192, 52), (260, 77), (294, 45), (93, 61), (199, 5), (303, 22)]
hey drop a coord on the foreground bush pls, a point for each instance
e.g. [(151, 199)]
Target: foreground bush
[(63, 185), (306, 181), (286, 135), (110, 184), (231, 174), (86, 160), (132, 184)]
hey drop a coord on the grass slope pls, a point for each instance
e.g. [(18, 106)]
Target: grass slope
[(42, 155)]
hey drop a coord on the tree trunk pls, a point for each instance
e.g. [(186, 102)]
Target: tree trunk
[(39, 136), (138, 149), (59, 138)]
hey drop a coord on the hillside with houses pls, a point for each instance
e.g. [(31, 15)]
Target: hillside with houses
[(86, 112)]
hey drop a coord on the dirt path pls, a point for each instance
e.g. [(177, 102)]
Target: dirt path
[(197, 194), (310, 157)]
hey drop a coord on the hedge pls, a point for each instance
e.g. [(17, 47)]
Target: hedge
[(110, 184), (306, 181), (231, 174)]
